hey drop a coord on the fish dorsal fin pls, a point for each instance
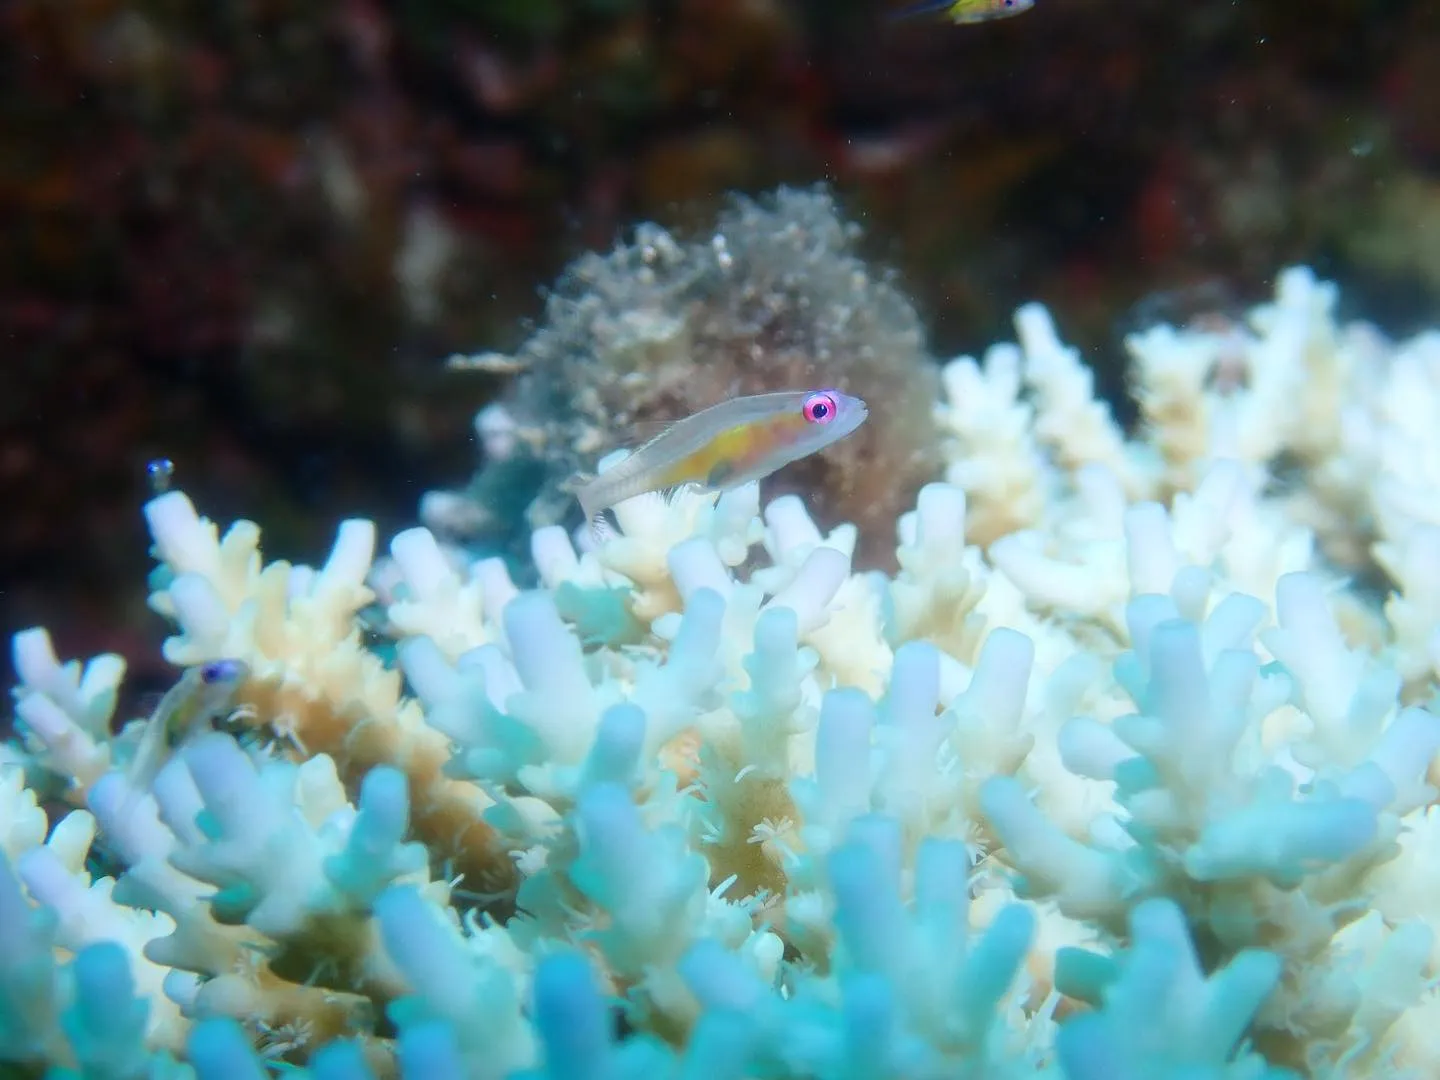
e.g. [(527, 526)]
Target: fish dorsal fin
[(640, 432)]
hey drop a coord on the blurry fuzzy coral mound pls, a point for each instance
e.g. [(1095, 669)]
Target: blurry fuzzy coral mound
[(774, 297), (1127, 773)]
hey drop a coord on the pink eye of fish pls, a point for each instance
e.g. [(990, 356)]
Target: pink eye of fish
[(819, 408)]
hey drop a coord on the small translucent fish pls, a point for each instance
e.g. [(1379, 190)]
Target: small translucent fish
[(203, 694), (160, 471), (967, 11), (726, 445)]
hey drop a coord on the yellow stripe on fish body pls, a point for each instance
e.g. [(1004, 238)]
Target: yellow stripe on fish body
[(727, 445), (732, 452), (966, 11)]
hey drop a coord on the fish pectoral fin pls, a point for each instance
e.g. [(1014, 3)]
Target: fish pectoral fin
[(601, 529), (720, 475), (671, 493)]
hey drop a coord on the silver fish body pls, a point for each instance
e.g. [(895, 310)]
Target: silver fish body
[(726, 445)]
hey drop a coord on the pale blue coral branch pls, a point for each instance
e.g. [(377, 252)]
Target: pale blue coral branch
[(600, 616), (1178, 695), (457, 700), (1087, 883), (545, 653), (571, 1019), (651, 884), (452, 982), (942, 882), (673, 693), (615, 756), (1231, 625), (1092, 749), (576, 1042), (427, 951), (429, 1051), (867, 905), (265, 862), (1161, 1018), (870, 1029), (29, 996), (106, 1021), (219, 1050), (995, 698), (814, 586), (914, 688), (909, 735), (720, 1048), (720, 979), (1404, 752), (771, 709), (1281, 840), (991, 967), (465, 701), (343, 1059), (375, 853), (694, 564), (844, 765)]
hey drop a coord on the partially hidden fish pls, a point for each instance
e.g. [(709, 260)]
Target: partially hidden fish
[(726, 445), (204, 694), (967, 11)]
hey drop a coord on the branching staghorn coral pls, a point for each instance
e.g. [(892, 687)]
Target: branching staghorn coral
[(1129, 783)]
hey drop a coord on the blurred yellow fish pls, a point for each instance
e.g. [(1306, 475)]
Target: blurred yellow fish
[(726, 445), (967, 11)]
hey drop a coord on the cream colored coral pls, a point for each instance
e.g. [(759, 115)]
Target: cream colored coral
[(56, 876), (456, 614), (1075, 425), (313, 683), (991, 444), (66, 708)]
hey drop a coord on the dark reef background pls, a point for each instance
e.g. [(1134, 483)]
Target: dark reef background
[(245, 235)]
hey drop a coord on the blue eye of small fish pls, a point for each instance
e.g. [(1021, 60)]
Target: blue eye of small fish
[(160, 471), (220, 671)]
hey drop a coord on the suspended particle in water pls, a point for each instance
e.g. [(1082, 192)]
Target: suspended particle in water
[(722, 252), (159, 473)]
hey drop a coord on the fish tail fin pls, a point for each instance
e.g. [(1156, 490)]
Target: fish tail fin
[(918, 7)]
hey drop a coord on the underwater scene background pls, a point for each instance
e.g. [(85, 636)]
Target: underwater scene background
[(1074, 716)]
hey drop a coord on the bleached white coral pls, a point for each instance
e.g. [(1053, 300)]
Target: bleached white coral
[(65, 709), (1117, 776)]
